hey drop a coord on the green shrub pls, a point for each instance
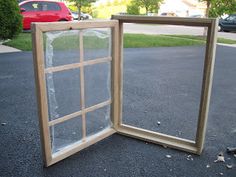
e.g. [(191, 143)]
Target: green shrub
[(10, 19)]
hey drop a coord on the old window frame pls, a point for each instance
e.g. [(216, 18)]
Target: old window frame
[(196, 146), (40, 71)]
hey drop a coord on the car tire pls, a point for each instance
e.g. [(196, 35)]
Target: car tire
[(220, 28), (62, 20)]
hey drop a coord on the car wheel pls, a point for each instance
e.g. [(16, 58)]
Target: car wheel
[(62, 20), (220, 28)]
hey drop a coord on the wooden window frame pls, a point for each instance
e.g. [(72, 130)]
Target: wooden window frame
[(196, 146), (40, 71), (116, 59)]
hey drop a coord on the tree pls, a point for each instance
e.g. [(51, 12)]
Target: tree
[(133, 8), (220, 7), (149, 5), (208, 3), (216, 8), (82, 3), (11, 19)]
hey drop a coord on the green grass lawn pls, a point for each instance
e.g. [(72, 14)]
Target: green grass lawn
[(143, 40), (23, 41)]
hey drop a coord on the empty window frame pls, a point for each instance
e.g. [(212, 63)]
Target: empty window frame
[(160, 138)]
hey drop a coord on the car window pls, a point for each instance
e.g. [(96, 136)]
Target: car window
[(31, 6), (50, 6), (234, 18), (231, 18)]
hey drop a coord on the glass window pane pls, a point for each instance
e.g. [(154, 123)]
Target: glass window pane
[(98, 120), (66, 133), (50, 6), (97, 43), (62, 47), (31, 6), (97, 83), (63, 89)]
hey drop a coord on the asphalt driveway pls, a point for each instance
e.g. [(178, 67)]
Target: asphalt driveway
[(118, 155)]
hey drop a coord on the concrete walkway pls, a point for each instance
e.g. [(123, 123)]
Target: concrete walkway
[(228, 45), (6, 49)]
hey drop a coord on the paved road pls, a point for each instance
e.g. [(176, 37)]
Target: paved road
[(170, 29), (117, 155)]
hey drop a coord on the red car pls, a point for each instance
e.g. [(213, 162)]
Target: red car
[(43, 11)]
